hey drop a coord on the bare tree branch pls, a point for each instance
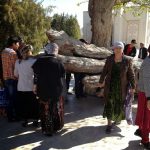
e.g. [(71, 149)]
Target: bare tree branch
[(82, 2)]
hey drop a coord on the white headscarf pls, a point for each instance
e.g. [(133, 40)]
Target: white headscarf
[(51, 48)]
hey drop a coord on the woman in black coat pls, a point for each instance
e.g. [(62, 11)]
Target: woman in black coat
[(49, 72)]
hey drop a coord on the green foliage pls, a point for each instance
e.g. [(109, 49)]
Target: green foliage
[(67, 23), (136, 7), (141, 4), (25, 18)]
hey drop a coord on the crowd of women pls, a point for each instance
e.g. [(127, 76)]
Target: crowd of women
[(34, 87)]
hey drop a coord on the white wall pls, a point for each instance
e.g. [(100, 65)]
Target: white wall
[(87, 34), (128, 27)]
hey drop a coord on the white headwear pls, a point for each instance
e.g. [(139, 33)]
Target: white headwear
[(51, 48), (118, 45)]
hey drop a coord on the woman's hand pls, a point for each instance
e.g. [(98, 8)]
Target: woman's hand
[(100, 85), (148, 104), (35, 89)]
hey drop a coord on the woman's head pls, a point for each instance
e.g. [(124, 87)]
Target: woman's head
[(118, 48), (51, 49), (26, 51)]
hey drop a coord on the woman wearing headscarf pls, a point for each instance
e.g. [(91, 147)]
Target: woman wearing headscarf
[(143, 110), (27, 104), (49, 72), (116, 77)]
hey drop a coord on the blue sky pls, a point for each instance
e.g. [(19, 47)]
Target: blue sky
[(68, 6)]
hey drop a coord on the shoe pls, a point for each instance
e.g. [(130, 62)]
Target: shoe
[(25, 124), (137, 132), (146, 145), (35, 123), (108, 129), (47, 134)]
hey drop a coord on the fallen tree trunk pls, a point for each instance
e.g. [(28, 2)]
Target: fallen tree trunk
[(88, 65), (89, 86), (69, 46), (82, 65), (91, 51), (65, 42)]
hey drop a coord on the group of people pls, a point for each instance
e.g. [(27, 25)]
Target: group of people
[(118, 80), (130, 50), (34, 86)]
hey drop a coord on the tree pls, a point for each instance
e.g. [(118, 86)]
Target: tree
[(100, 12), (25, 18), (68, 23)]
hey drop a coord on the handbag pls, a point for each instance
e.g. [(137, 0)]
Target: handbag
[(128, 107)]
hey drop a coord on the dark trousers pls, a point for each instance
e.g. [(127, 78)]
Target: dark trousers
[(68, 78), (78, 84), (11, 91)]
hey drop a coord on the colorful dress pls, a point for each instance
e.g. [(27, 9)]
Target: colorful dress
[(52, 115), (113, 109)]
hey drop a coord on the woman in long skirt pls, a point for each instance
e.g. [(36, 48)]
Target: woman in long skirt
[(117, 75), (49, 72)]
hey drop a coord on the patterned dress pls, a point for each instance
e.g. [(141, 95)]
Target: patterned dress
[(52, 115), (113, 109)]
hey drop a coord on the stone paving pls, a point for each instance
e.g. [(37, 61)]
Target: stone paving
[(84, 129)]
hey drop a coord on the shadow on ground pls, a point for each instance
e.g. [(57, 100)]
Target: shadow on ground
[(134, 145), (13, 136), (62, 140)]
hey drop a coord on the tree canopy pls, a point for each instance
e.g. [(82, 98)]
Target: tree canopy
[(68, 23), (25, 18)]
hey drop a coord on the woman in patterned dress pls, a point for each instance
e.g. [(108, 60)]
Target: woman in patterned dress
[(116, 77)]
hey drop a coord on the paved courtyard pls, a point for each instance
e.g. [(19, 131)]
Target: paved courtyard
[(84, 129)]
